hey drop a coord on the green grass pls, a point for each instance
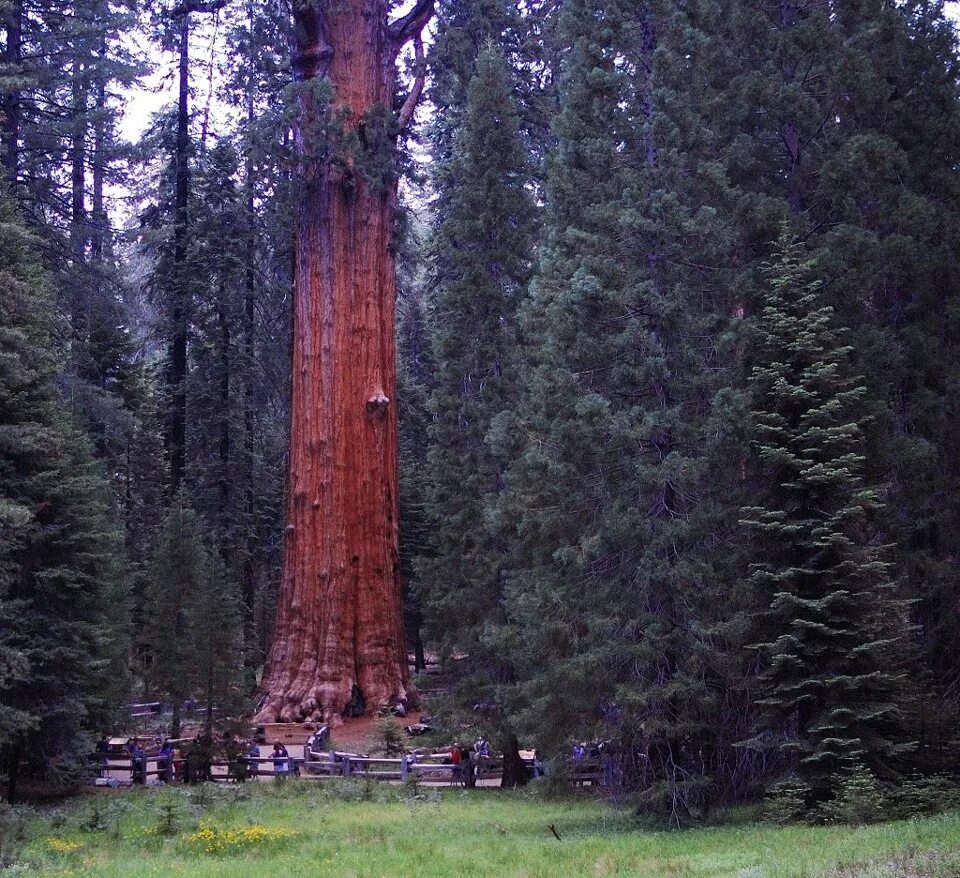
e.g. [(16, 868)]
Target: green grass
[(368, 831)]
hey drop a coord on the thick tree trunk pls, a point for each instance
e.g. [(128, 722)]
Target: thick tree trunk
[(339, 621), (514, 768)]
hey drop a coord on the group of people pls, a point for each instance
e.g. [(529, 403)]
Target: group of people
[(165, 757), (282, 765), (193, 763), (467, 760)]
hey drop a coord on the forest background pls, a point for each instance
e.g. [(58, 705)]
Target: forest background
[(679, 341)]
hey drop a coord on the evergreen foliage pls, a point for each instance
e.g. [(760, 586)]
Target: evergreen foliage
[(830, 620), (843, 120), (666, 482), (481, 257), (192, 627), (64, 642), (614, 595)]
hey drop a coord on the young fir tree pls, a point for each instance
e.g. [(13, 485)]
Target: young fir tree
[(830, 623), (481, 253), (192, 627), (215, 628), (61, 587), (177, 572)]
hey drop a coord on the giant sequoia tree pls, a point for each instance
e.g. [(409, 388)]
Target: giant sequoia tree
[(339, 635)]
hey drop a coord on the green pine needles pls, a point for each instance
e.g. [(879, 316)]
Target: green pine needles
[(65, 632), (829, 621)]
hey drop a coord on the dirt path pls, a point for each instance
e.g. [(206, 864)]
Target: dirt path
[(359, 735)]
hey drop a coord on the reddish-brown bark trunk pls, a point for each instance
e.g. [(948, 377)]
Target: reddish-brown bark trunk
[(339, 621)]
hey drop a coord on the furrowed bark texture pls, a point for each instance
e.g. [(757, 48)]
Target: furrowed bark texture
[(339, 621)]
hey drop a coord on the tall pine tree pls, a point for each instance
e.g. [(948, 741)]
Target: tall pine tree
[(481, 261), (61, 570), (613, 603)]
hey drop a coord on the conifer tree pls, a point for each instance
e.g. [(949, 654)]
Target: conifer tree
[(216, 443), (613, 600), (830, 621), (192, 628), (414, 379), (903, 263), (178, 571), (61, 586), (216, 633), (481, 258), (844, 117)]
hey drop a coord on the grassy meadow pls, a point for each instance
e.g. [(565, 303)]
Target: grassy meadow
[(362, 830)]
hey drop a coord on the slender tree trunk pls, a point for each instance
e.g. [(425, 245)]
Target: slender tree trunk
[(205, 124), (175, 718), (208, 725), (98, 214), (339, 621), (78, 163), (248, 578), (15, 754), (419, 656), (225, 447), (79, 294), (177, 365), (13, 58)]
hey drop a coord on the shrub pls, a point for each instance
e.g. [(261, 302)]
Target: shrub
[(554, 785), (103, 816), (13, 830), (390, 737), (786, 802), (170, 818), (859, 798), (921, 796)]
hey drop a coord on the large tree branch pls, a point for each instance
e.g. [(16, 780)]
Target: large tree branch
[(416, 90), (405, 29)]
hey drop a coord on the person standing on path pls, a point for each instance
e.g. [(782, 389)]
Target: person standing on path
[(281, 764)]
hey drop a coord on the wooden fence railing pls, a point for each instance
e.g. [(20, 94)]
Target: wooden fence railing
[(434, 768), (139, 770)]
